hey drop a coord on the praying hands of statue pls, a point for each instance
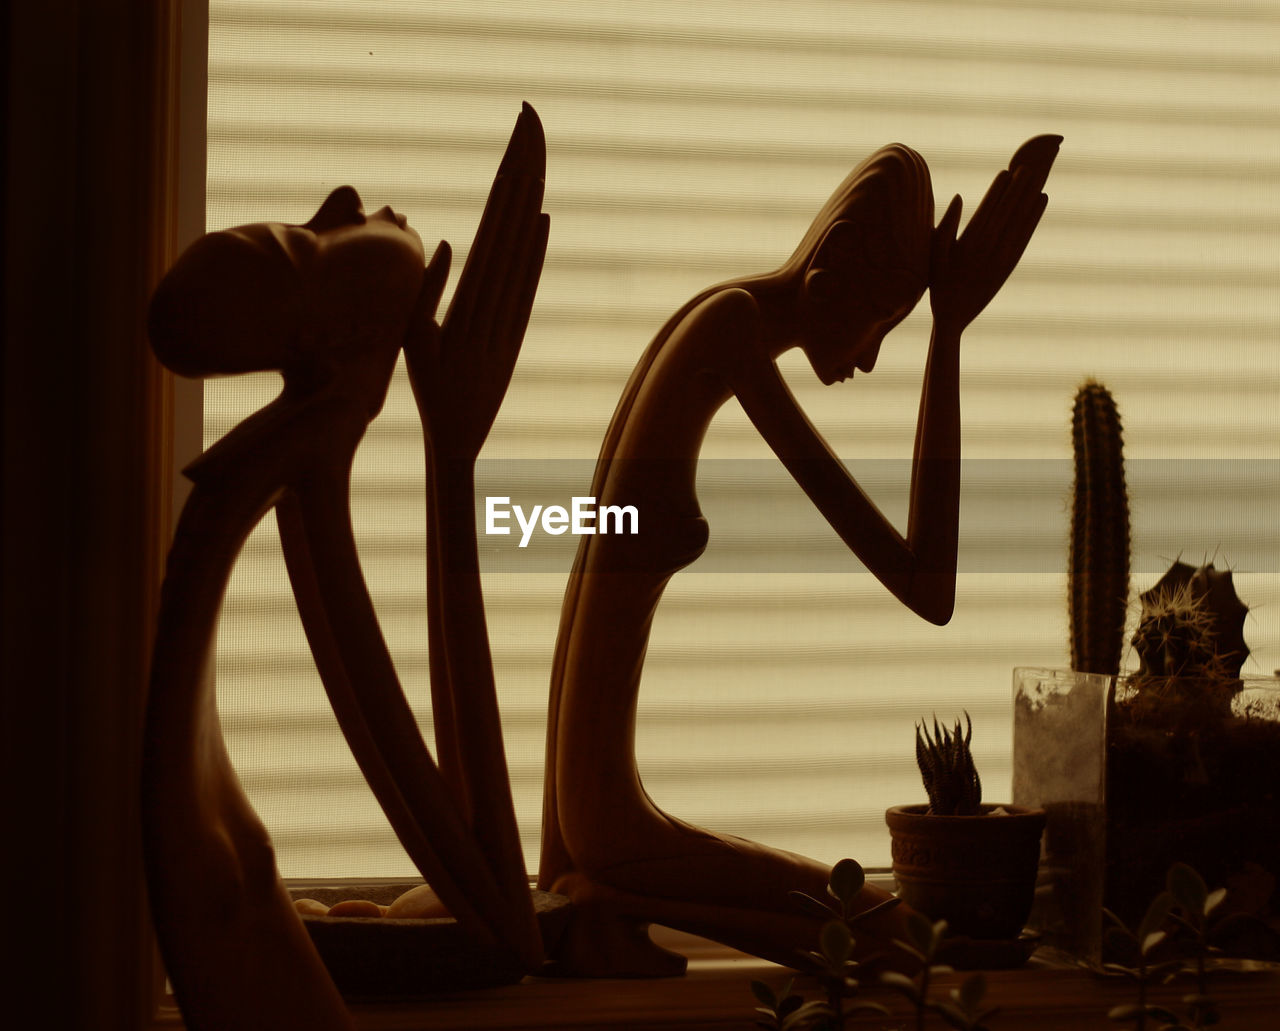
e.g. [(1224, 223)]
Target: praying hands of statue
[(460, 368), (966, 273)]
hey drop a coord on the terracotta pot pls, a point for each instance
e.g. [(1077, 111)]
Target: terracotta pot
[(978, 873)]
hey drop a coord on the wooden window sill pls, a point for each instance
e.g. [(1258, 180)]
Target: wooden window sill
[(716, 994)]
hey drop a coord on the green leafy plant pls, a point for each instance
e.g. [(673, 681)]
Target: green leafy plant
[(1194, 906), (844, 886), (786, 1010), (835, 967), (1187, 905), (832, 962), (1141, 943), (947, 768), (963, 1009)]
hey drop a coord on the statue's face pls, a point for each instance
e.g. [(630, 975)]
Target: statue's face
[(341, 233), (864, 278), (354, 267), (847, 315), (275, 296)]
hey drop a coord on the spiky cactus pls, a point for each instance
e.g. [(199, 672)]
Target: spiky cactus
[(946, 766), (1192, 625), (1098, 575), (1174, 637), (1190, 638)]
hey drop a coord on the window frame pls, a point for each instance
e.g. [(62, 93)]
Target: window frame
[(101, 115), (102, 101)]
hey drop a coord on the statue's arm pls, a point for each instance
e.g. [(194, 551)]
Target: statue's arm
[(460, 371), (965, 274), (918, 568)]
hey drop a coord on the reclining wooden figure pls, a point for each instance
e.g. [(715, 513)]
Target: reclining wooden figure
[(330, 304), (858, 272)]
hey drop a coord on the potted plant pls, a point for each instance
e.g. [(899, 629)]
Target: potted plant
[(1192, 748), (1177, 761), (956, 858)]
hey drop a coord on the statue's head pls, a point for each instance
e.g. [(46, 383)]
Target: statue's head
[(864, 263), (289, 297)]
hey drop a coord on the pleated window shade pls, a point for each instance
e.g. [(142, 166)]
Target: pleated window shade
[(692, 142)]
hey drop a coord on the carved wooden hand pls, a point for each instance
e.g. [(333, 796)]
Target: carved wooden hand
[(966, 273), (460, 370)]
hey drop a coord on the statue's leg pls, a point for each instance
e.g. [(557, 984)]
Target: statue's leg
[(234, 947), (364, 690), (735, 897), (623, 860)]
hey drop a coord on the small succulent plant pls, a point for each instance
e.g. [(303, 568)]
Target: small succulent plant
[(946, 766)]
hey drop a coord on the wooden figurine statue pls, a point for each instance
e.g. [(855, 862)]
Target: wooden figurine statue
[(330, 304), (861, 268)]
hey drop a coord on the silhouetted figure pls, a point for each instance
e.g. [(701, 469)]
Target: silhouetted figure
[(330, 304), (858, 272)]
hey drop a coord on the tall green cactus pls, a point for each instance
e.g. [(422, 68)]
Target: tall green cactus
[(1098, 575)]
